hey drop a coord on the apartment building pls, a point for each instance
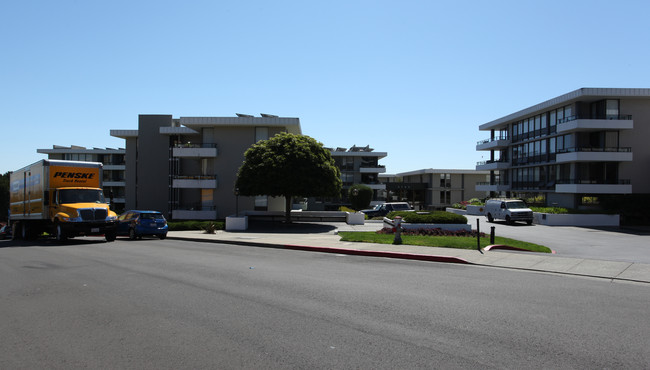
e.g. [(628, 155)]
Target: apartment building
[(360, 165), (186, 167), (114, 167), (435, 188), (570, 150)]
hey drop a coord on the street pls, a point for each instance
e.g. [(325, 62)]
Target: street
[(167, 304)]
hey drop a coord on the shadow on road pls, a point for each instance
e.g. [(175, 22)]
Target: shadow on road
[(50, 242), (294, 227)]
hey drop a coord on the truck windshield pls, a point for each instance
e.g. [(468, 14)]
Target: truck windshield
[(516, 205), (81, 196)]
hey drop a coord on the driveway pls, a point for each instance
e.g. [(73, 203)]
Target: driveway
[(611, 244)]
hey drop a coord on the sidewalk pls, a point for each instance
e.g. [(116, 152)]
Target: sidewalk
[(323, 238)]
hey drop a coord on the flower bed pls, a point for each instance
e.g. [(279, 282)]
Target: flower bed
[(433, 232)]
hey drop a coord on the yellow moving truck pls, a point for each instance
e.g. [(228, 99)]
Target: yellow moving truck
[(63, 198)]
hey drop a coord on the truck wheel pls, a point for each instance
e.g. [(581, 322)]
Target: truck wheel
[(490, 218), (15, 235), (132, 235), (508, 220), (59, 233), (529, 222), (110, 236), (162, 236)]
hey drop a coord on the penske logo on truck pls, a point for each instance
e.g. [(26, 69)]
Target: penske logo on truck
[(74, 176)]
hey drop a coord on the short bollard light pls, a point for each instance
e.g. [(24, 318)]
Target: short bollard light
[(398, 230)]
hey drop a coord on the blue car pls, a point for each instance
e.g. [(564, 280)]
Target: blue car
[(136, 224)]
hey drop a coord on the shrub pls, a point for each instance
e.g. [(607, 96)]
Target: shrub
[(476, 202), (435, 217), (195, 225), (553, 210), (362, 198), (433, 232)]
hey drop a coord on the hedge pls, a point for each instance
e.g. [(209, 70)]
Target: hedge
[(435, 217)]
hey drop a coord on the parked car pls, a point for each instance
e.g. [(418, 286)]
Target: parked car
[(5, 232), (136, 224), (510, 210), (381, 210)]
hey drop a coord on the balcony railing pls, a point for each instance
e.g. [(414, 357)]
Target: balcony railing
[(596, 149), (197, 177), (493, 183), (594, 182), (193, 145), (625, 117), (483, 163), (504, 137)]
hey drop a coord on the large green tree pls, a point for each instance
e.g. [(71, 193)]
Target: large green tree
[(289, 165)]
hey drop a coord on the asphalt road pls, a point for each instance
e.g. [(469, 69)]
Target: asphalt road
[(168, 305)]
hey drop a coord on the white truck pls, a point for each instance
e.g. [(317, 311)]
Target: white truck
[(510, 210)]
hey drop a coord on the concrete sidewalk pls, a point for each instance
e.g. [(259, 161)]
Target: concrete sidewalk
[(324, 238)]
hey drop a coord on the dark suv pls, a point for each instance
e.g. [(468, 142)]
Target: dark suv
[(382, 210)]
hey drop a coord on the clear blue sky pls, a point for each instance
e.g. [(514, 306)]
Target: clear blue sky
[(411, 78)]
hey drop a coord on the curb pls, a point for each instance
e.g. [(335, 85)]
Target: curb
[(354, 252)]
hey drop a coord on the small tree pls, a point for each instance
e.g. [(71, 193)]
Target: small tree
[(360, 196), (289, 165)]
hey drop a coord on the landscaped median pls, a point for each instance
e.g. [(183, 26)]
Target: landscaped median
[(460, 242)]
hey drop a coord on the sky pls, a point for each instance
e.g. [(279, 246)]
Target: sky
[(414, 79)]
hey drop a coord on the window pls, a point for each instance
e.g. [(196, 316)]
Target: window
[(261, 133), (611, 109), (261, 202), (445, 180), (207, 197), (589, 200)]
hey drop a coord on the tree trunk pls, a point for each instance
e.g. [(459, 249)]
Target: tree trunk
[(287, 209)]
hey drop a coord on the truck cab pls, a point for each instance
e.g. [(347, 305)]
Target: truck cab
[(81, 211)]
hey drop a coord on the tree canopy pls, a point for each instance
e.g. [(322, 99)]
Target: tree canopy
[(360, 196), (289, 165)]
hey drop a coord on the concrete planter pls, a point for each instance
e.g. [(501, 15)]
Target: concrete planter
[(236, 223), (355, 218), (551, 219)]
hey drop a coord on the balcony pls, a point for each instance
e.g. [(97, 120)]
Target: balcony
[(594, 186), (499, 142), (575, 124), (194, 182), (487, 186), (116, 183), (492, 165), (372, 169), (590, 154), (195, 151)]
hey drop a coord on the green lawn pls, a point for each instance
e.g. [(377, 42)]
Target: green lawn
[(438, 241)]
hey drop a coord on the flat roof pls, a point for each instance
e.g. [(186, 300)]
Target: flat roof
[(427, 171), (292, 124), (584, 93)]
